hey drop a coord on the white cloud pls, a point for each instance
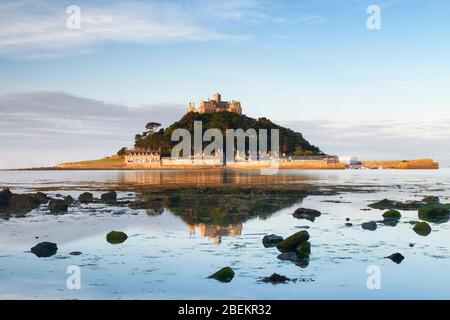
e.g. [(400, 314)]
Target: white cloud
[(37, 29), (380, 139), (46, 128)]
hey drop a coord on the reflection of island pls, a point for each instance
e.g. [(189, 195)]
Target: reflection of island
[(215, 211), (208, 177), (215, 233)]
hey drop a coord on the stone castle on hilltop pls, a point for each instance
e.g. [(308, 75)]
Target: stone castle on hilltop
[(215, 104)]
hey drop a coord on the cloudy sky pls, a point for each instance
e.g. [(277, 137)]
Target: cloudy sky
[(68, 94)]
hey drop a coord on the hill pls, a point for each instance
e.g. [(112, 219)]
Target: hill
[(291, 142)]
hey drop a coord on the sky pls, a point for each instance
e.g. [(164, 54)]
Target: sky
[(69, 94)]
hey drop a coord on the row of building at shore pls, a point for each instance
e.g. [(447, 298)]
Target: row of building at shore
[(145, 158)]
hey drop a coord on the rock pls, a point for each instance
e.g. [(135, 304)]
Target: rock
[(5, 197), (45, 249), (411, 245), (23, 203), (275, 279), (109, 196), (371, 225), (42, 197), (392, 214), (291, 243), (347, 219), (308, 214), (435, 213), (431, 200), (390, 222), (422, 228), (57, 206), (348, 224), (271, 240), (75, 253), (304, 248), (86, 197), (398, 205), (396, 257), (288, 256), (223, 275), (69, 200), (116, 237)]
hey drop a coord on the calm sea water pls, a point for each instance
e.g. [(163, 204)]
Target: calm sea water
[(169, 257)]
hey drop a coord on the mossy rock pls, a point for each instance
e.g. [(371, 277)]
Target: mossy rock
[(223, 275), (304, 248), (291, 243), (116, 237), (422, 228), (392, 214), (438, 213)]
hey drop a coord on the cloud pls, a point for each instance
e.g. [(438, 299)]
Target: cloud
[(381, 139), (38, 29), (46, 128)]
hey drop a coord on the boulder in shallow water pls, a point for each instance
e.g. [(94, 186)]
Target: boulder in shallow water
[(392, 214), (291, 243), (371, 226), (42, 197), (396, 257), (271, 240), (57, 206), (116, 237), (109, 196), (223, 275), (308, 214), (45, 249), (86, 197), (69, 200), (305, 211), (435, 212), (5, 197), (23, 203), (276, 278), (304, 248), (422, 228), (431, 200)]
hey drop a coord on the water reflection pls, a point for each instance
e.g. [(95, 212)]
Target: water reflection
[(206, 177), (215, 212)]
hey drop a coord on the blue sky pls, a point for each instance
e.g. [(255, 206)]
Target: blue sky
[(310, 60)]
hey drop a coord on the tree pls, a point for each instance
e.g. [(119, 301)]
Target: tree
[(152, 126), (122, 151)]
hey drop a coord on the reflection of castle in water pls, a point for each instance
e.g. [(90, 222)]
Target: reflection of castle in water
[(215, 211), (214, 232)]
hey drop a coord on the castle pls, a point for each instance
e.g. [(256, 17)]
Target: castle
[(215, 104)]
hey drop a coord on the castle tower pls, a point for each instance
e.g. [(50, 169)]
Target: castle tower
[(216, 97), (191, 107)]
